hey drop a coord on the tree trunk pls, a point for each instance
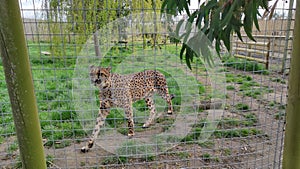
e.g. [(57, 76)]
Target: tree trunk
[(20, 85), (291, 154), (154, 35), (96, 44)]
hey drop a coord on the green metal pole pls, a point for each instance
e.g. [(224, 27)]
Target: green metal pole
[(291, 154), (20, 85)]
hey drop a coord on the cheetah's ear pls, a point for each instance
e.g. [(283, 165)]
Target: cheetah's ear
[(91, 67), (94, 70), (105, 71), (108, 69)]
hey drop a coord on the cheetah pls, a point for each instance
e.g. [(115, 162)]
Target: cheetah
[(122, 90)]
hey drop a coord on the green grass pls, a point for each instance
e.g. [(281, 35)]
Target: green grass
[(52, 81), (49, 160), (114, 160), (256, 92), (232, 122), (230, 87), (59, 133), (227, 128), (245, 65), (6, 120), (13, 147), (207, 144), (241, 132), (249, 119), (18, 163), (247, 86), (278, 80), (227, 151), (7, 127), (209, 158), (1, 139), (239, 79), (280, 115), (237, 127), (131, 149), (242, 106), (274, 104), (195, 133), (182, 154)]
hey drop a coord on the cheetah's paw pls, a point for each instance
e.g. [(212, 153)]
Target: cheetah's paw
[(84, 149), (130, 135)]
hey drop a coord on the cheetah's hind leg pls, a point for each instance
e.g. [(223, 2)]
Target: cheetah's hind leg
[(150, 104)]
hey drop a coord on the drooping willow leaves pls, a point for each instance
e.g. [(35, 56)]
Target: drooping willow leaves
[(217, 19)]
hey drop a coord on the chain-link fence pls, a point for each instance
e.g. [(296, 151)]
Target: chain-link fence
[(228, 115)]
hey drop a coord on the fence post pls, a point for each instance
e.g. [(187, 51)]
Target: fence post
[(268, 54), (20, 85), (291, 154), (287, 37)]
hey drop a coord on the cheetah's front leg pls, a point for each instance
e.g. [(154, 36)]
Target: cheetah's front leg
[(129, 116), (103, 112)]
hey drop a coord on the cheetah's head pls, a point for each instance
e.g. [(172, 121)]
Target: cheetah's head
[(100, 76)]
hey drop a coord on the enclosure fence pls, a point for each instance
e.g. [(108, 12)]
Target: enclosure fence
[(229, 115)]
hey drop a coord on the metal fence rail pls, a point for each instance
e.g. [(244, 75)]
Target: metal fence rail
[(228, 116)]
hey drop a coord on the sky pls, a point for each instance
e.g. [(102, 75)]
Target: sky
[(29, 6)]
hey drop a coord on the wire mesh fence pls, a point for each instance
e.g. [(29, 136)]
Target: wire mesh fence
[(229, 115)]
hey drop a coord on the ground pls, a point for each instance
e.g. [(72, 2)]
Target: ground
[(250, 135)]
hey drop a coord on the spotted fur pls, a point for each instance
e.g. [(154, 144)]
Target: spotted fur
[(122, 90)]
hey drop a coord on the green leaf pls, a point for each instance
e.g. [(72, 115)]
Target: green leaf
[(218, 45), (183, 35), (195, 41), (254, 8), (185, 5), (234, 21), (238, 32), (188, 29), (248, 20), (163, 6), (192, 17), (214, 24), (182, 51), (191, 53), (179, 26), (169, 6), (188, 57), (199, 18), (263, 4), (227, 14), (205, 52), (226, 36), (236, 25)]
